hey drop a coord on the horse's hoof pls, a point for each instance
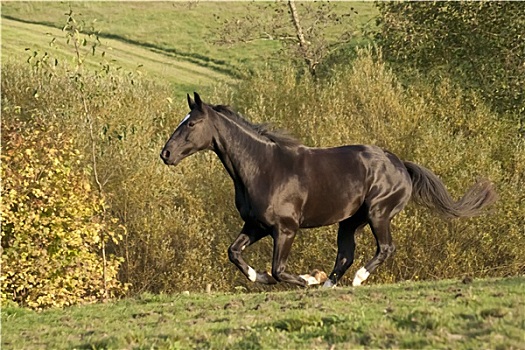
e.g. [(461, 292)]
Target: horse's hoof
[(329, 284), (265, 278)]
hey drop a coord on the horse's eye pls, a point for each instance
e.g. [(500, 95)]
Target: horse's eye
[(191, 124)]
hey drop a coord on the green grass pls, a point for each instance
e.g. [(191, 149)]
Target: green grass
[(170, 41), (167, 26), (19, 36), (488, 314)]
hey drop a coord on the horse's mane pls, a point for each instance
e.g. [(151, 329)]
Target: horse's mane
[(281, 138)]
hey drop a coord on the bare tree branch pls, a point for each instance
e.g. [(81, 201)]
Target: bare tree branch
[(300, 36)]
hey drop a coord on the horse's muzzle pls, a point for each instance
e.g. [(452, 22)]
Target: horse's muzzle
[(165, 156)]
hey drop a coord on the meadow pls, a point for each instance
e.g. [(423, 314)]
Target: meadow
[(449, 314), (174, 42)]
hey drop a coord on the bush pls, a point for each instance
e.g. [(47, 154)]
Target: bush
[(180, 221), (166, 212), (53, 223)]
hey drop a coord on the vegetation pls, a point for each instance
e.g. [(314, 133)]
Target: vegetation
[(53, 227), (104, 124), (481, 314), (477, 44)]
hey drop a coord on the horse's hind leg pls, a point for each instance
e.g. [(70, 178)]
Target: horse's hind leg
[(382, 208), (346, 246), (385, 248)]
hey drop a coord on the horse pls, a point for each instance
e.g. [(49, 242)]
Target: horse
[(282, 186)]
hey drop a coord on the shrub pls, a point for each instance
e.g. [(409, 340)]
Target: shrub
[(53, 225)]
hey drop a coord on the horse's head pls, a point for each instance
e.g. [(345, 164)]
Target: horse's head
[(193, 134)]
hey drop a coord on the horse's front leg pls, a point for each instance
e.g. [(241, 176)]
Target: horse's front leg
[(249, 235), (282, 244)]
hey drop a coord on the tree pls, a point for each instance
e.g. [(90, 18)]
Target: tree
[(302, 30), (480, 45)]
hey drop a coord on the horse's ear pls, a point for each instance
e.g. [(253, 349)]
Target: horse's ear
[(191, 103), (198, 101)]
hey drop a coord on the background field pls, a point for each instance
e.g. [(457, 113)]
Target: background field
[(168, 41), (446, 314), (17, 36)]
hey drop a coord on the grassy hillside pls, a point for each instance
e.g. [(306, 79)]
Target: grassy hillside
[(182, 29), (18, 36), (170, 41), (177, 218), (483, 314)]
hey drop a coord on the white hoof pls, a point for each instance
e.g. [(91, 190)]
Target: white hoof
[(360, 276)]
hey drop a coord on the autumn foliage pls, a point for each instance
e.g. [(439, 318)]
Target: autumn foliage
[(52, 222)]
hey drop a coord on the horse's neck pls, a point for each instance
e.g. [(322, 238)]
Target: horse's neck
[(242, 151)]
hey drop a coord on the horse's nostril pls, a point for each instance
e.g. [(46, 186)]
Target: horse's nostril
[(165, 154)]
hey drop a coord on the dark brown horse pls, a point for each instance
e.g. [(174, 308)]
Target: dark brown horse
[(282, 185)]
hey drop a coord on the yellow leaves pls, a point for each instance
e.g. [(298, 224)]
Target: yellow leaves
[(53, 223)]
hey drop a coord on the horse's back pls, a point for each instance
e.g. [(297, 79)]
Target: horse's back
[(340, 180)]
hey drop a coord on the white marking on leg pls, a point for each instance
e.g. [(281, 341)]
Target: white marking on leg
[(243, 247), (183, 120), (360, 276), (252, 274)]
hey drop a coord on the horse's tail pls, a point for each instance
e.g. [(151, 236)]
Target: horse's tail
[(429, 191)]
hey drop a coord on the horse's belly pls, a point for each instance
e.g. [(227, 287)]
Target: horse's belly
[(336, 185), (330, 208)]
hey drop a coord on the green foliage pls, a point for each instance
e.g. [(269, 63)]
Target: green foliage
[(480, 45), (52, 223)]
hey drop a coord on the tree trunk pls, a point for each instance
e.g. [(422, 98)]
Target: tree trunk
[(303, 44)]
